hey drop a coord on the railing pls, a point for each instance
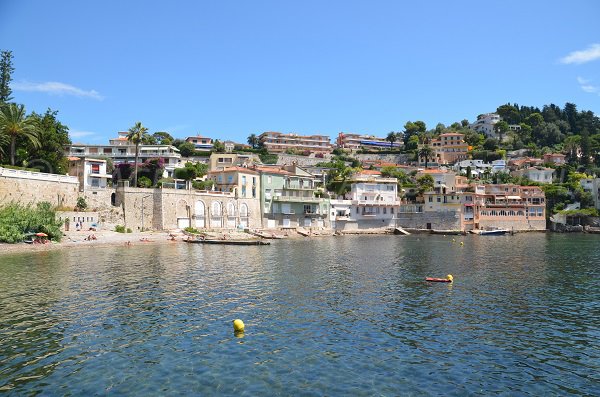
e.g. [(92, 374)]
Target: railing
[(297, 199), (41, 176)]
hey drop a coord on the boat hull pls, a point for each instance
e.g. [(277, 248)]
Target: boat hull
[(437, 280), (230, 242)]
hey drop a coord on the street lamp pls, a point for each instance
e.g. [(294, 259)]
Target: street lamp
[(143, 210)]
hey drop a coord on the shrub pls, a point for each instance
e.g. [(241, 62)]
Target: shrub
[(129, 230), (16, 220), (144, 181), (81, 204), (190, 229), (120, 229)]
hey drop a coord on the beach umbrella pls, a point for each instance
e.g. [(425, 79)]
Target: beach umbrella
[(40, 234)]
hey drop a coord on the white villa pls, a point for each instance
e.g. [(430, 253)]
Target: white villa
[(120, 150), (90, 172), (372, 203)]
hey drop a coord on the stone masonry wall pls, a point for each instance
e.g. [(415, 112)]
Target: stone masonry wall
[(57, 193), (438, 220)]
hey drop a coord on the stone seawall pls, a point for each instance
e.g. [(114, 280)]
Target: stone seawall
[(429, 220), (61, 191)]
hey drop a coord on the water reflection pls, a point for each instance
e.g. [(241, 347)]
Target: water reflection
[(345, 315)]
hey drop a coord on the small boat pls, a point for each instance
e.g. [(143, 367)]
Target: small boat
[(449, 232), (230, 242), (492, 232), (448, 279)]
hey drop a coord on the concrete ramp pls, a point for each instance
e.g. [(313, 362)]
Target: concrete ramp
[(399, 230)]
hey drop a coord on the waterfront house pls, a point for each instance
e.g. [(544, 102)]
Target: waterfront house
[(288, 198), (243, 182), (592, 186), (91, 173), (372, 203), (504, 206)]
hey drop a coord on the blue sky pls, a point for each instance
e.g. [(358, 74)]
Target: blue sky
[(227, 69)]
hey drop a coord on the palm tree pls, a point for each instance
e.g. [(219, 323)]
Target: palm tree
[(426, 152), (14, 123), (253, 141), (391, 138), (136, 135)]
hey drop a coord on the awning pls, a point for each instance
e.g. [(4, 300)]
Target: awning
[(513, 197)]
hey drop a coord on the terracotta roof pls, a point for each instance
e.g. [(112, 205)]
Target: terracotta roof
[(369, 172), (236, 169), (272, 170), (73, 158)]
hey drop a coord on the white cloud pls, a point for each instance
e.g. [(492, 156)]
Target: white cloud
[(56, 88), (590, 54), (586, 86)]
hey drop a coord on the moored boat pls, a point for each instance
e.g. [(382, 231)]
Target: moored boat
[(448, 279), (230, 242)]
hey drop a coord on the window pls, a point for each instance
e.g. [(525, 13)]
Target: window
[(384, 210), (107, 150), (430, 199), (95, 168)]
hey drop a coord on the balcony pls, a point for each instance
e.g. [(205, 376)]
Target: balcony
[(297, 199)]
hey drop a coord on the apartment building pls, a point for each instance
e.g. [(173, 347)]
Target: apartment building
[(450, 148), (346, 140), (276, 142), (120, 150), (504, 206)]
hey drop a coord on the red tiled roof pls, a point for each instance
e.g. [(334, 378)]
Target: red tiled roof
[(369, 172), (236, 169)]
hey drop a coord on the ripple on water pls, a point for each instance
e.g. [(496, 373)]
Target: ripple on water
[(333, 316)]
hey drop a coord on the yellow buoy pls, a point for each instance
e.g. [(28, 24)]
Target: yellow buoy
[(238, 325), (461, 243), (449, 277)]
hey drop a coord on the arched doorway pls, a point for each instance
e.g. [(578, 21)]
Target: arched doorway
[(200, 214), (244, 215), (231, 215), (216, 215)]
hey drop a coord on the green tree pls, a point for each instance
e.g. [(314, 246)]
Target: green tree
[(136, 136), (571, 145), (501, 129), (14, 123), (55, 137), (187, 149), (585, 147), (427, 153), (425, 183), (534, 120), (391, 138), (253, 141), (163, 138), (509, 113), (490, 144), (6, 69), (218, 146), (570, 112)]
